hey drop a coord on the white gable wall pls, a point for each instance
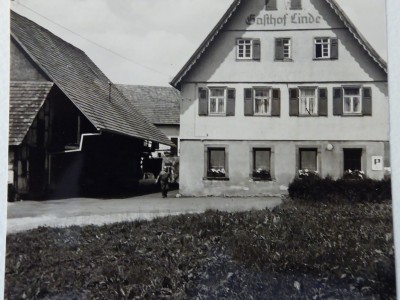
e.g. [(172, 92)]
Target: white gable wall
[(218, 67)]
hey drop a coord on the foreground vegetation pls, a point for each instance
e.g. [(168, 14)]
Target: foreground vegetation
[(298, 251)]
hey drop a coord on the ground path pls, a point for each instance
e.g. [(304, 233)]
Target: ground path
[(25, 215)]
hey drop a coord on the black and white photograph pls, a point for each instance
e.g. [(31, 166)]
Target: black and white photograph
[(200, 149)]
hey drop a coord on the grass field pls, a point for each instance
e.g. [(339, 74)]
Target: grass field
[(297, 251)]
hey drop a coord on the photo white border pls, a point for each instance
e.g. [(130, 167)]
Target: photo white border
[(393, 24), (4, 99)]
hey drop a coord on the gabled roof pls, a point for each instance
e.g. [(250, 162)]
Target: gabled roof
[(26, 99), (82, 82), (211, 36), (159, 104)]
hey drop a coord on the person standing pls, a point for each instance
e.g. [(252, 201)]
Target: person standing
[(163, 179)]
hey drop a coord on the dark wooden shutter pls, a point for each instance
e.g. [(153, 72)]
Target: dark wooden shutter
[(294, 102), (276, 103), (337, 101), (248, 102), (279, 49), (256, 49), (367, 101), (230, 104), (203, 101), (270, 4), (334, 48), (322, 102), (295, 4)]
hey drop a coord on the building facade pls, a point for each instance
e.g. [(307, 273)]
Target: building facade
[(280, 88)]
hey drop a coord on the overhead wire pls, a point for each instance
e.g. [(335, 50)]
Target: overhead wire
[(92, 42)]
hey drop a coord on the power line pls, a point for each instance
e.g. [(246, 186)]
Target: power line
[(94, 43)]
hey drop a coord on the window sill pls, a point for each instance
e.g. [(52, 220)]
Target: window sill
[(353, 115), (324, 58), (216, 178), (284, 60), (262, 180)]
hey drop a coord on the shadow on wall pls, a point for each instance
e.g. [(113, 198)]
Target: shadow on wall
[(210, 61), (353, 47)]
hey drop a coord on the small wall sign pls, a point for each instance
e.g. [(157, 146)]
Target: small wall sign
[(377, 163)]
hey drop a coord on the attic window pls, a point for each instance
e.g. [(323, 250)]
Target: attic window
[(295, 4), (248, 49)]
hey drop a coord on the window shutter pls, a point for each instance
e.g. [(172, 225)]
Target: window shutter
[(337, 101), (230, 104), (294, 102), (295, 4), (367, 102), (270, 4), (322, 102), (334, 48), (279, 49), (203, 102), (256, 49), (276, 103), (248, 102)]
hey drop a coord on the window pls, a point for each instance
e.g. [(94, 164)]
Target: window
[(352, 159), (352, 100), (308, 102), (270, 5), (326, 48), (262, 102), (308, 159), (216, 158), (217, 101), (283, 49), (295, 4), (261, 164), (248, 49), (322, 48), (245, 49)]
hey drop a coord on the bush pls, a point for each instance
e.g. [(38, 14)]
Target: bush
[(352, 190)]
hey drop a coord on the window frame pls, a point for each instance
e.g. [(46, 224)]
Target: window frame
[(360, 98), (253, 163), (238, 45), (363, 157), (269, 98), (207, 149), (316, 99), (317, 148), (327, 44), (225, 97)]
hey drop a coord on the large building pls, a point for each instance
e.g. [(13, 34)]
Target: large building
[(71, 129), (278, 88)]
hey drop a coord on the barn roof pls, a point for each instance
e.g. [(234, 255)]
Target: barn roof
[(159, 104), (235, 5), (82, 82), (26, 99)]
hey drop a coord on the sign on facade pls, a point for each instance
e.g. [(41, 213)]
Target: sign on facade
[(377, 163)]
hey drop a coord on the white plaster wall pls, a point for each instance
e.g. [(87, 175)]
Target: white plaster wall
[(285, 127), (284, 165)]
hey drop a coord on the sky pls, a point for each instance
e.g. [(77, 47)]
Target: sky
[(158, 36)]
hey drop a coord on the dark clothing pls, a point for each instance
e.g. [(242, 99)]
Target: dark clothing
[(163, 179)]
